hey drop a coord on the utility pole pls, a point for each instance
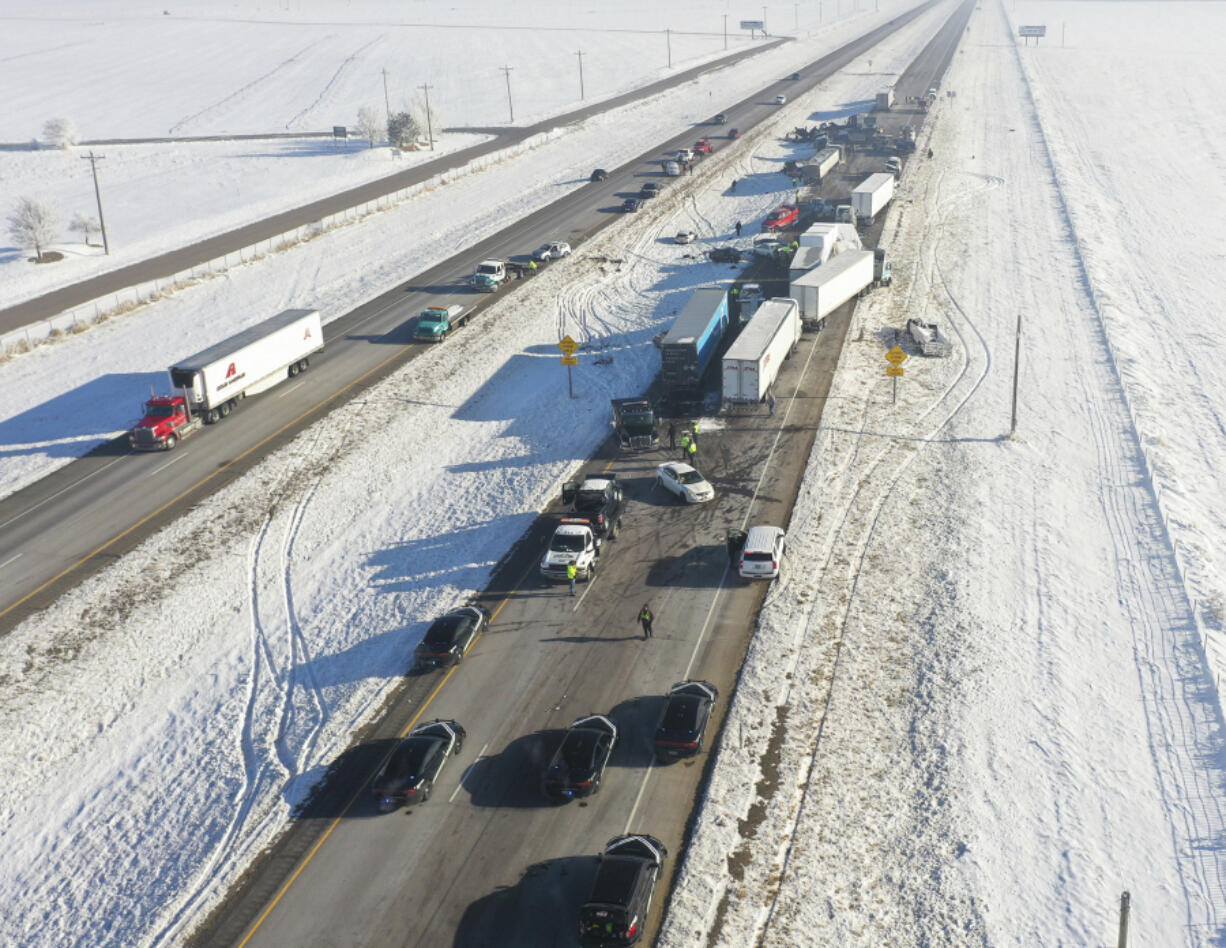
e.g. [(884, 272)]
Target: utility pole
[(796, 14), (1125, 904), (580, 55), (429, 127), (764, 21), (668, 38), (93, 166), (725, 31), (510, 104), (1017, 355), (387, 108)]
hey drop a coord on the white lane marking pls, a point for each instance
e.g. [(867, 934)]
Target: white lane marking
[(10, 560), (177, 456), (60, 491), (285, 390), (460, 785), (637, 800), (587, 587)]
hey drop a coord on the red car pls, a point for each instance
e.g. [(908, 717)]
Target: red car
[(781, 217), (703, 146)]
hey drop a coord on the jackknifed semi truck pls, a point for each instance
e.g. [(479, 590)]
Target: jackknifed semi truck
[(689, 346), (823, 290), (753, 361), (207, 386), (872, 195)]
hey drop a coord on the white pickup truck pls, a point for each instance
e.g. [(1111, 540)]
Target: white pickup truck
[(573, 542)]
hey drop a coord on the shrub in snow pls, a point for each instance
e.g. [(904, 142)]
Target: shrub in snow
[(60, 132), (370, 124), (33, 224)]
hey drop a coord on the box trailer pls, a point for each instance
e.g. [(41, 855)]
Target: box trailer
[(872, 195), (885, 100), (752, 362), (814, 170), (823, 290), (689, 346), (808, 257), (209, 384)]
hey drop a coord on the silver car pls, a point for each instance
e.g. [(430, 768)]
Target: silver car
[(685, 482)]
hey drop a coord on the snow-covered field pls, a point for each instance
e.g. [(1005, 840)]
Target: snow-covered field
[(193, 73), (178, 731), (994, 712)]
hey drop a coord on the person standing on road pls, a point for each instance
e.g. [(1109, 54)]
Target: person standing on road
[(672, 436), (645, 619), (685, 445), (692, 450), (734, 184), (770, 402), (694, 434), (738, 228), (572, 573)]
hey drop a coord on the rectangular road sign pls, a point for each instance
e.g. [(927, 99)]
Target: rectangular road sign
[(569, 360), (1032, 31), (752, 24), (896, 371)]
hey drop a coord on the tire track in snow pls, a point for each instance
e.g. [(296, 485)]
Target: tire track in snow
[(244, 89), (349, 60)]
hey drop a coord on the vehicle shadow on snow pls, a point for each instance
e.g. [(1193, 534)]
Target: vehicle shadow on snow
[(542, 908), (344, 778), (512, 778), (86, 412), (455, 558), (842, 110)]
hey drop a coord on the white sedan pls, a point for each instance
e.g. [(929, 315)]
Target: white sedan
[(555, 250), (685, 482), (685, 237)]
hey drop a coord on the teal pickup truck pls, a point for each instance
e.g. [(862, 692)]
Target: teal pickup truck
[(435, 323)]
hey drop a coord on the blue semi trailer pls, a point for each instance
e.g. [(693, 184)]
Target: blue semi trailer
[(690, 346)]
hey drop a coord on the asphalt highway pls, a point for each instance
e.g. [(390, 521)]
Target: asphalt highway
[(81, 518), (487, 860)]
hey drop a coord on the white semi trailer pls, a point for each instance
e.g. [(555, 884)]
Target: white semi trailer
[(872, 195), (823, 290), (753, 361)]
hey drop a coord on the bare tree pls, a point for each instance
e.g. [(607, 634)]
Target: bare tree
[(33, 224), (60, 132), (370, 124), (402, 129), (85, 225)]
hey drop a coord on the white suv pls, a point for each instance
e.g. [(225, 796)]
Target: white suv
[(762, 555)]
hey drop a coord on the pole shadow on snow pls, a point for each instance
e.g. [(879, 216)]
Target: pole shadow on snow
[(453, 558), (541, 909)]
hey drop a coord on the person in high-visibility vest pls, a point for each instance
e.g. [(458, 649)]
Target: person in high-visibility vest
[(693, 451), (572, 573), (685, 445)]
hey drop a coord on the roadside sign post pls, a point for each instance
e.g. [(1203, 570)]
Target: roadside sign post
[(569, 347), (896, 357)]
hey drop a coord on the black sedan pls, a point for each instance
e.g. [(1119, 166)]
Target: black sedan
[(449, 637), (409, 773), (684, 721), (579, 763), (630, 205), (599, 175), (649, 190)]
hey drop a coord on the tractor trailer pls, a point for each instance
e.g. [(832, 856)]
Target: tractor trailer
[(691, 343), (752, 363), (872, 195), (823, 290), (209, 384)]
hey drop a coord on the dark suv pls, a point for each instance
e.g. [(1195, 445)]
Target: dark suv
[(598, 498), (616, 912)]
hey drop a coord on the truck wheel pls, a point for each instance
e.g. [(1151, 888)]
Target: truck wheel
[(591, 572), (171, 441), (211, 417), (226, 408), (294, 369)]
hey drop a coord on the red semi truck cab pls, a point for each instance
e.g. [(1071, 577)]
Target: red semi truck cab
[(166, 422)]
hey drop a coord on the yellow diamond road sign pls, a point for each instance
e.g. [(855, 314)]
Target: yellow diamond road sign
[(568, 345), (569, 360), (896, 356), (896, 371)]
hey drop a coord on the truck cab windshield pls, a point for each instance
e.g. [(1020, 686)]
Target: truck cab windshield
[(567, 543), (161, 411), (487, 269), (589, 500)]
